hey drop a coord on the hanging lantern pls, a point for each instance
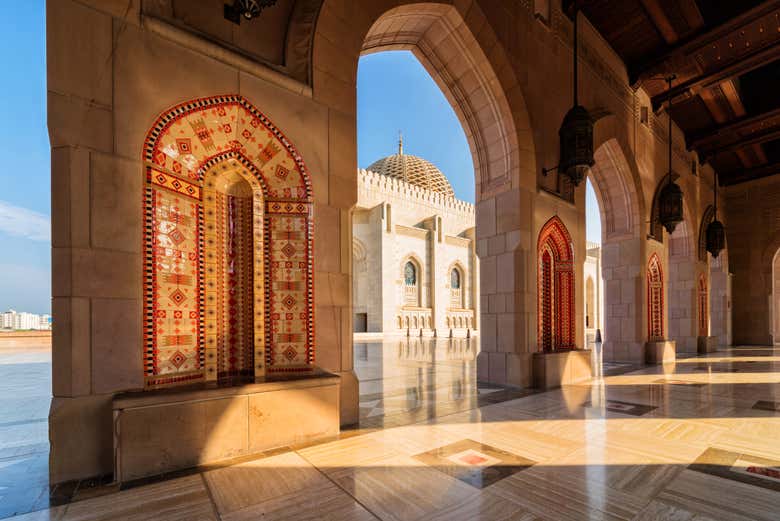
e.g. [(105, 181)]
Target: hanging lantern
[(716, 238), (716, 233), (670, 201), (576, 134), (246, 9), (670, 206)]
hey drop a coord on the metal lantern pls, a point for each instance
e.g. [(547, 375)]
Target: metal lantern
[(670, 206), (716, 238), (716, 233), (670, 202), (576, 135), (247, 9)]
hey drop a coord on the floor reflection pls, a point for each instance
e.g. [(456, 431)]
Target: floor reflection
[(408, 379)]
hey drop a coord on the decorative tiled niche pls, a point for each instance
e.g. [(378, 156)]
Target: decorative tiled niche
[(555, 287), (227, 246), (655, 299)]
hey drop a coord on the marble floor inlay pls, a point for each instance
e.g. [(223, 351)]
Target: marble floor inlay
[(474, 463), (634, 409)]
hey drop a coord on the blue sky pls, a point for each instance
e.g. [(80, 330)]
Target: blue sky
[(25, 245), (395, 93)]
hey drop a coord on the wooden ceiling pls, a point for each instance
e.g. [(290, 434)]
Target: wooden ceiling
[(726, 58)]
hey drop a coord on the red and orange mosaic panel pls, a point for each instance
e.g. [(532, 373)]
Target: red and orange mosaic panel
[(655, 299), (555, 288), (704, 299), (229, 293)]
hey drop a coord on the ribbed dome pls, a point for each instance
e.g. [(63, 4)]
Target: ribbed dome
[(414, 170)]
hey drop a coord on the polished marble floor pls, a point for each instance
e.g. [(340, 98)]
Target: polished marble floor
[(695, 440)]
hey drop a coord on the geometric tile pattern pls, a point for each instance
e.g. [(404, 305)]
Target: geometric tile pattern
[(173, 343), (555, 287), (238, 279), (655, 299), (476, 464)]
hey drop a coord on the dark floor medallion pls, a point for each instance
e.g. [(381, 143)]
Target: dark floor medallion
[(765, 405), (753, 470), (476, 464), (633, 409)]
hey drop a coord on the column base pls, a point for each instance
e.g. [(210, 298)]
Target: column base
[(706, 344), (661, 352), (556, 368)]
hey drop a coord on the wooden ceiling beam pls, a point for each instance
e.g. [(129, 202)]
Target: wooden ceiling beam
[(660, 20), (711, 52), (744, 132), (748, 174), (694, 86)]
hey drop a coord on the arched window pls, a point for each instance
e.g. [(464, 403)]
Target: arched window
[(456, 294), (555, 287), (410, 274), (411, 285), (655, 299)]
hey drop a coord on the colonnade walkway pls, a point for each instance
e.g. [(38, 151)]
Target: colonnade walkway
[(695, 440)]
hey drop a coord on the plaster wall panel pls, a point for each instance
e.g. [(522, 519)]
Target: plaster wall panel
[(80, 436), (72, 59), (71, 360), (151, 74), (70, 197), (116, 337), (115, 206)]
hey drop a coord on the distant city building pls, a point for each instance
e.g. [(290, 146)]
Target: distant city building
[(16, 320)]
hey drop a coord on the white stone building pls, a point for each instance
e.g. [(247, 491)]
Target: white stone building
[(415, 269), (593, 293)]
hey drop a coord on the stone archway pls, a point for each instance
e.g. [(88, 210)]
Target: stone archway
[(460, 50), (615, 180), (192, 152)]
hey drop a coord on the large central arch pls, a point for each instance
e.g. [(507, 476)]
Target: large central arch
[(460, 50)]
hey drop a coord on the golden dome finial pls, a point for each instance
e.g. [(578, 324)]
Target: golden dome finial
[(400, 143)]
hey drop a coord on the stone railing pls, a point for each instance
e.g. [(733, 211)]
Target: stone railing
[(414, 319), (460, 319)]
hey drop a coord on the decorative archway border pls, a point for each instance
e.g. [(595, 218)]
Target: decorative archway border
[(185, 142), (555, 238)]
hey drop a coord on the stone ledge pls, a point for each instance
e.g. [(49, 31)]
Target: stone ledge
[(162, 431), (557, 368)]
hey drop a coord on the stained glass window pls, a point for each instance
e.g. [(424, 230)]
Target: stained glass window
[(410, 274)]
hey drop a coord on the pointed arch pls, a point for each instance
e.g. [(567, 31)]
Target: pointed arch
[(707, 218), (189, 150), (655, 299), (555, 287), (703, 300)]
